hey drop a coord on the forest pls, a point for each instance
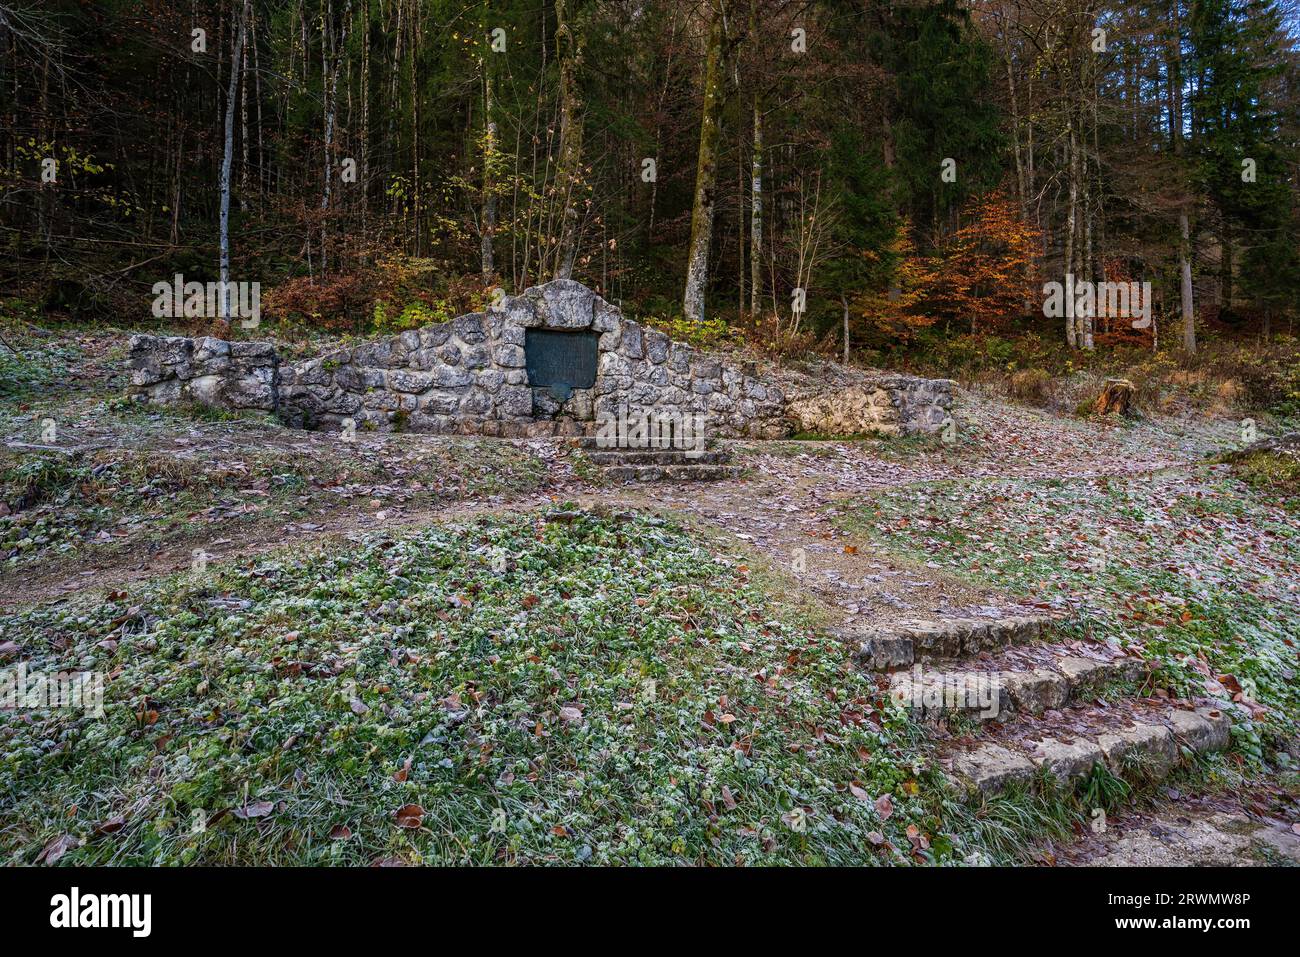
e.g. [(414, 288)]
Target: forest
[(842, 175)]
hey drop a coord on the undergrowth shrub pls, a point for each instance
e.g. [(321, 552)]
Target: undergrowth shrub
[(1031, 385)]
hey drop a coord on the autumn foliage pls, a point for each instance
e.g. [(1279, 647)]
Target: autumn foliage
[(983, 274), (987, 275)]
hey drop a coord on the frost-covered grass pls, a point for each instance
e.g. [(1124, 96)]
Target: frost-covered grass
[(1274, 472), (511, 690), (1190, 568), (61, 507)]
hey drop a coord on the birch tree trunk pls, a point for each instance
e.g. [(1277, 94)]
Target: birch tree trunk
[(1185, 284), (1071, 216), (1085, 323), (488, 213), (569, 174), (1015, 121), (331, 80), (844, 302), (331, 111), (706, 171), (1184, 217), (226, 159)]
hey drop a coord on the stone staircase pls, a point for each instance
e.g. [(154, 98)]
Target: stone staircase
[(658, 465), (1007, 702)]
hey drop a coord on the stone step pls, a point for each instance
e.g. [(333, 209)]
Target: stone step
[(899, 644), (659, 457), (672, 473), (592, 443), (1150, 740), (995, 694)]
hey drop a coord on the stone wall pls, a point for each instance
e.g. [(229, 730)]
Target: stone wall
[(236, 375), (884, 404), (469, 375), (466, 375), (833, 399)]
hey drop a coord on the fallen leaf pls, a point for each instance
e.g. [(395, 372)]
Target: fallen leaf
[(56, 848), (885, 806), (410, 816), (112, 825), (258, 809)]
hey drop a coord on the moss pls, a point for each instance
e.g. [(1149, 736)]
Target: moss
[(1270, 471)]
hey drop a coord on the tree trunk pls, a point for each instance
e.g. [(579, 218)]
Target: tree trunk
[(243, 128), (257, 101), (488, 215), (331, 111), (569, 174), (1085, 323), (417, 188), (1184, 225), (1015, 123), (226, 160), (756, 217), (844, 302), (1225, 271), (1185, 285), (697, 269), (363, 159), (1070, 334)]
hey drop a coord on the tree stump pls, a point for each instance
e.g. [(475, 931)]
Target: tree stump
[(1116, 398)]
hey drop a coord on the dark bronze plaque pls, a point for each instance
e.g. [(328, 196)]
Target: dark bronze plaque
[(560, 361)]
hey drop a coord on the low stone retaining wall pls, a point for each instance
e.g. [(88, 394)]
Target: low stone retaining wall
[(472, 375), (831, 399)]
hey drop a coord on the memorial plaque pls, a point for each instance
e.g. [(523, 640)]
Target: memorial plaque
[(561, 361)]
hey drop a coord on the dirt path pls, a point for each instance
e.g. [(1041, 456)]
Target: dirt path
[(783, 509), (1187, 831)]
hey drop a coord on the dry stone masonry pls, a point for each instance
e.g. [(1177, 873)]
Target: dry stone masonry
[(1039, 705), (885, 404), (547, 362)]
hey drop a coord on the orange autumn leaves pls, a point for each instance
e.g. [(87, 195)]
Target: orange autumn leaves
[(981, 275)]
